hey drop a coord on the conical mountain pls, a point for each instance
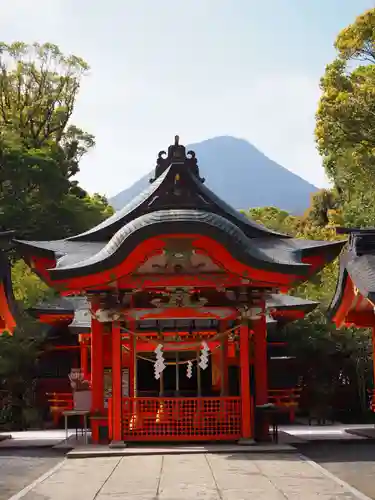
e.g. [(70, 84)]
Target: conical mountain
[(241, 175)]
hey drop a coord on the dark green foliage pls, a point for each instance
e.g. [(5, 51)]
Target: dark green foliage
[(40, 151)]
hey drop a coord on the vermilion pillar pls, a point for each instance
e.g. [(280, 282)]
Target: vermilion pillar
[(224, 361), (116, 383), (84, 360), (245, 381), (97, 366), (132, 360), (260, 360), (373, 356), (224, 367), (261, 371)]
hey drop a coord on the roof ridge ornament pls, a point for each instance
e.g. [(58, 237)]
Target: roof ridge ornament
[(176, 154)]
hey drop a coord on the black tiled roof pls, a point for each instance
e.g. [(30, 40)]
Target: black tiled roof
[(59, 305), (357, 262), (77, 306), (186, 221), (178, 201), (282, 301)]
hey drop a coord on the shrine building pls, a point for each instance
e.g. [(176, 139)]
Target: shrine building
[(354, 301), (8, 310), (179, 287), (68, 346)]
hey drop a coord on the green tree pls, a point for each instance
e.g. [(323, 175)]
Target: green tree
[(334, 365), (322, 202), (40, 149), (273, 218), (345, 125), (29, 289)]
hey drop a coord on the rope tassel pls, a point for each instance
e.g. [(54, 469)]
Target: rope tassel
[(203, 363), (189, 371), (159, 365)]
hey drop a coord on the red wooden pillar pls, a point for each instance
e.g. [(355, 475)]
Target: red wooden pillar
[(261, 370), (224, 361), (246, 417), (260, 360), (132, 360), (84, 360), (97, 366), (373, 363), (116, 383)]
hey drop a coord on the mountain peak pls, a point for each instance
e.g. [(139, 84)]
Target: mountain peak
[(241, 175)]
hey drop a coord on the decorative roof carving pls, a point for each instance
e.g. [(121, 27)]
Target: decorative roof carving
[(179, 203), (176, 154)]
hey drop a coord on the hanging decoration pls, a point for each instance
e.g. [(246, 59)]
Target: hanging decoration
[(203, 363), (230, 333), (159, 365), (189, 371)]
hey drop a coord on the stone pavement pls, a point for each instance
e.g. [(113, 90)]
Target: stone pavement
[(186, 477), (19, 467)]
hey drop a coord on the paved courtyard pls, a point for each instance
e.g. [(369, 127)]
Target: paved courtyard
[(18, 468), (185, 477), (351, 462)]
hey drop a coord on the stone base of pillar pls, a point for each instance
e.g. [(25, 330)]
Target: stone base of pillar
[(246, 442), (118, 444)]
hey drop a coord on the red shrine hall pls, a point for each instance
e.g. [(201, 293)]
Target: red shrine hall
[(354, 301), (67, 347), (179, 287)]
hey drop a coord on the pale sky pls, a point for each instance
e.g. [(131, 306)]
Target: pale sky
[(197, 68)]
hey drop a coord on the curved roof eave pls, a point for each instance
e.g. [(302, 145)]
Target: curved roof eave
[(125, 214), (58, 306), (361, 270), (180, 221), (339, 293), (281, 301), (58, 248)]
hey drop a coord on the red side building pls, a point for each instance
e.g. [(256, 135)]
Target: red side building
[(8, 312), (178, 283), (354, 301)]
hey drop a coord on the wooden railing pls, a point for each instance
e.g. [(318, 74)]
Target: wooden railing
[(139, 413), (184, 419), (286, 398)]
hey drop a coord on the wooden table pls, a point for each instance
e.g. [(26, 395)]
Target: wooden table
[(76, 413)]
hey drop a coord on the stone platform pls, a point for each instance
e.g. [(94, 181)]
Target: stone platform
[(97, 451)]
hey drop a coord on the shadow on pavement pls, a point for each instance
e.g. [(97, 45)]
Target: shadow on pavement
[(31, 452), (353, 451)]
